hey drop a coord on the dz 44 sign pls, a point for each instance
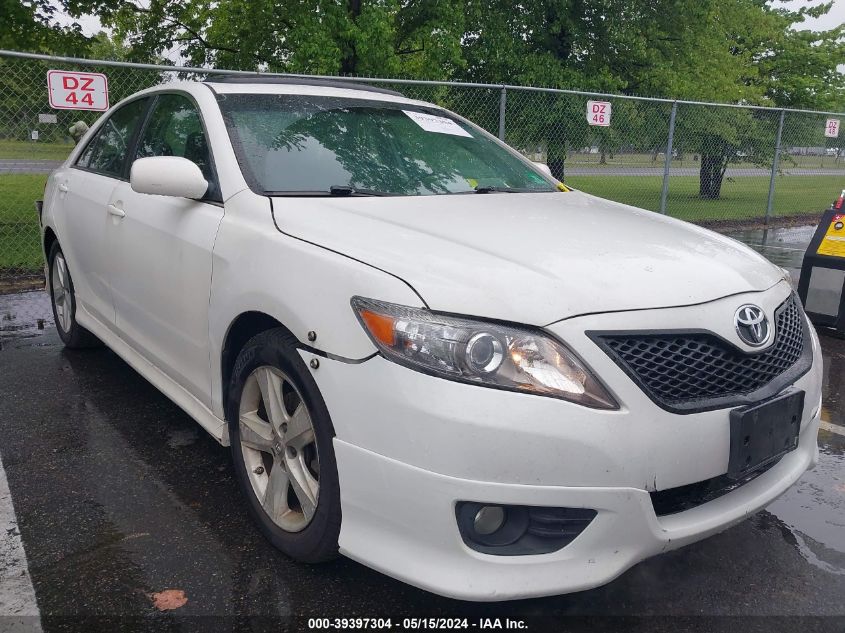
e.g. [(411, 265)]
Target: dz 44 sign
[(598, 113), (78, 91)]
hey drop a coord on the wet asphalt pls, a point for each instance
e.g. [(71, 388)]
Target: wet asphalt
[(119, 495)]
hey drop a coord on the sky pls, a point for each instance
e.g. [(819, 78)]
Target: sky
[(834, 17)]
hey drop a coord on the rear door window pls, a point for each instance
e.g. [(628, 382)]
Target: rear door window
[(108, 151)]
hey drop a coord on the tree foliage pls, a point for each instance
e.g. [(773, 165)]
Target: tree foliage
[(30, 25)]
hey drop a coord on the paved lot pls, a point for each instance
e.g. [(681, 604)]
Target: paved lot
[(118, 496), (27, 166)]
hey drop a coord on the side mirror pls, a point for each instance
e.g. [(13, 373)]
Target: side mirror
[(544, 168), (168, 176)]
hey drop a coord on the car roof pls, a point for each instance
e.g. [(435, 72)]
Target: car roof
[(345, 84), (307, 86)]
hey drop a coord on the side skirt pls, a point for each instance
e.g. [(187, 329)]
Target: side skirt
[(216, 427)]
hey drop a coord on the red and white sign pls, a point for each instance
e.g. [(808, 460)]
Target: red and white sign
[(77, 91), (598, 113), (831, 128)]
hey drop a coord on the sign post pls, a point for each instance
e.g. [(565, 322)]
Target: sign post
[(77, 90)]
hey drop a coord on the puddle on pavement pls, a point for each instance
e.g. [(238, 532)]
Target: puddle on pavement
[(784, 246), (791, 237), (24, 315), (813, 510)]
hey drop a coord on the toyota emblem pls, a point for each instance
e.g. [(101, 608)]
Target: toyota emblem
[(752, 326)]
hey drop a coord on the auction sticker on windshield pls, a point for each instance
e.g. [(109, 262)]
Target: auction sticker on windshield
[(77, 91), (434, 123), (833, 243)]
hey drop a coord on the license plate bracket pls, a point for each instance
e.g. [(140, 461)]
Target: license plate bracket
[(764, 432)]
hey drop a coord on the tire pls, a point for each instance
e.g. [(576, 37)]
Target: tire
[(287, 472), (63, 301)]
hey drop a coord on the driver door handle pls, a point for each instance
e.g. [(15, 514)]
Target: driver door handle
[(116, 211)]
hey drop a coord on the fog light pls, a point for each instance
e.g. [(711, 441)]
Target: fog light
[(489, 519), (511, 530)]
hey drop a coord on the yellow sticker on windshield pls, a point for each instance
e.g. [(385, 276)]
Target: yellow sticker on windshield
[(472, 182), (563, 187)]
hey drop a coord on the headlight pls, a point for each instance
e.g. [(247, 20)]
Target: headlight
[(479, 352)]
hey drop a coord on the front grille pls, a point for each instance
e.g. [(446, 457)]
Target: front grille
[(697, 370)]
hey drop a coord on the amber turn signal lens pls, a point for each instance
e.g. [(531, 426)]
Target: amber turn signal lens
[(380, 326)]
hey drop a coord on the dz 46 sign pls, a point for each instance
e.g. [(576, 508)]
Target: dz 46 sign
[(598, 113), (78, 91)]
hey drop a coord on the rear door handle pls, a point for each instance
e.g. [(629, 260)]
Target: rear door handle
[(117, 211)]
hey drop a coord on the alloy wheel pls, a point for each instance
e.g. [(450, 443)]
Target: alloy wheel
[(60, 284), (279, 448)]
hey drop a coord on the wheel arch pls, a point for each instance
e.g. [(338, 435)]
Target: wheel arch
[(240, 331), (50, 238)]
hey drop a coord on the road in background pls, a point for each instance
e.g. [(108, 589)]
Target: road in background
[(42, 166)]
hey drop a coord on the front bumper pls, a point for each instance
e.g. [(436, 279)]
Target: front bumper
[(410, 446), (400, 520)]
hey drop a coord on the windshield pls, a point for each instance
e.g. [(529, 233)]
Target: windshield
[(307, 145)]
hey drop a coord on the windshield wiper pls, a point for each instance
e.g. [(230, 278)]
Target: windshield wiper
[(334, 190), (497, 189), (346, 190)]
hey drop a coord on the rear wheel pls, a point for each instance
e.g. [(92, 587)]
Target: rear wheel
[(281, 437), (63, 299)]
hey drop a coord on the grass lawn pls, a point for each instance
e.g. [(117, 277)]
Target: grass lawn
[(577, 159), (35, 150), (743, 197), (19, 245)]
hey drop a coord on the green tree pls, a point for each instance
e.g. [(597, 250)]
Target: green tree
[(30, 25), (419, 38)]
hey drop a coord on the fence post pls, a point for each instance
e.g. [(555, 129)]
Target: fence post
[(502, 101), (774, 170), (668, 160)]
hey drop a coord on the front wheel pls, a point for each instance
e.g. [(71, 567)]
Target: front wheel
[(281, 436), (63, 299)]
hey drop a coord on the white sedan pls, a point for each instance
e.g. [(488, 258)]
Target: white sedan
[(426, 353)]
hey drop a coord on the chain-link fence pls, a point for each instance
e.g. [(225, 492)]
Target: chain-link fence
[(710, 163)]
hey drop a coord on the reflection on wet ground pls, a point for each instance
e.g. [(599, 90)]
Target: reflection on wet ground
[(783, 246), (24, 314), (814, 509)]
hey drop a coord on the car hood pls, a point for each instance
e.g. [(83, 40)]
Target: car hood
[(530, 258)]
